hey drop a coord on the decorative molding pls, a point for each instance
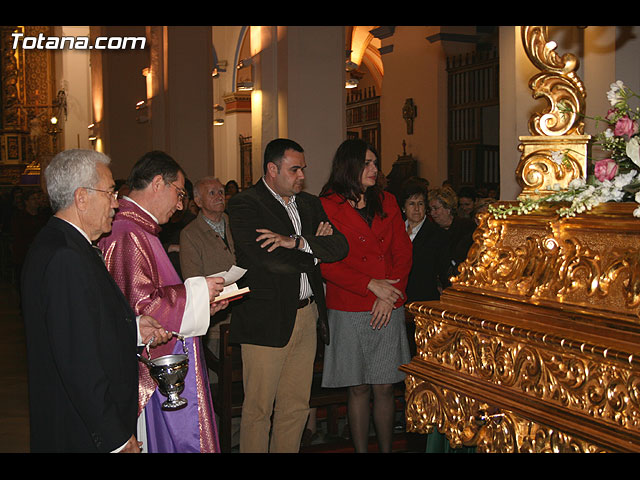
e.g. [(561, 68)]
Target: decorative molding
[(237, 103)]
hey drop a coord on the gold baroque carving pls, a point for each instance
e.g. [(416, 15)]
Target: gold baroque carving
[(587, 378), (557, 82), (538, 170), (558, 130), (466, 421), (549, 265)]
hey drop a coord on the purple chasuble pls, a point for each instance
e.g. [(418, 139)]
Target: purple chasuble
[(139, 264)]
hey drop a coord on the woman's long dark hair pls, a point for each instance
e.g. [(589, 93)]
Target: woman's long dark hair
[(346, 177)]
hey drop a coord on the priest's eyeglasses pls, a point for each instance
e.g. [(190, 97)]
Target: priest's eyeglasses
[(182, 193), (112, 193)]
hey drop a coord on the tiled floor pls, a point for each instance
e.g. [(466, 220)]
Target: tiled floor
[(14, 409)]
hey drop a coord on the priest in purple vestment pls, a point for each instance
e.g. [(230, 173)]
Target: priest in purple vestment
[(136, 259)]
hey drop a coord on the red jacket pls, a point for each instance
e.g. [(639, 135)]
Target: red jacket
[(382, 251)]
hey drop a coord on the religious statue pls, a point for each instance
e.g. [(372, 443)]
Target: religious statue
[(409, 112)]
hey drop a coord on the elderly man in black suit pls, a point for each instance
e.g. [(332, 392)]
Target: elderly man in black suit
[(82, 336), (281, 234)]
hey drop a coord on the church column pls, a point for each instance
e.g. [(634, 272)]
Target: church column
[(190, 99), (182, 99), (299, 76), (516, 105), (72, 76)]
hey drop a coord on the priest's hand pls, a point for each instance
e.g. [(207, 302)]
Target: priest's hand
[(217, 306), (151, 329), (215, 286)]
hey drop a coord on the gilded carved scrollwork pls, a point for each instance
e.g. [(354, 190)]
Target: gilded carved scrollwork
[(558, 130), (535, 347), (557, 82), (586, 379), (538, 171), (553, 264), (468, 422)]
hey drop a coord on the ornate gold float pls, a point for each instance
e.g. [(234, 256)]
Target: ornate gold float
[(536, 345)]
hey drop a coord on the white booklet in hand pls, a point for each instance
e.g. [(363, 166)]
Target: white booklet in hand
[(231, 290)]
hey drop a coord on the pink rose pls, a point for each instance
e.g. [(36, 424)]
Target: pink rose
[(605, 169), (624, 126)]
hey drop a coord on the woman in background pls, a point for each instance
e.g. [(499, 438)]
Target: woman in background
[(431, 258), (457, 230), (365, 293)]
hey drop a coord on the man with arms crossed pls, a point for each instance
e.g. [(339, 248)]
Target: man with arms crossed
[(281, 233)]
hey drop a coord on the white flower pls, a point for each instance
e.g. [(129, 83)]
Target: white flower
[(633, 150), (608, 134), (557, 156), (636, 212), (576, 183), (613, 95)]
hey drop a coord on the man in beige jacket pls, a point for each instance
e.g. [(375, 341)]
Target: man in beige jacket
[(206, 245)]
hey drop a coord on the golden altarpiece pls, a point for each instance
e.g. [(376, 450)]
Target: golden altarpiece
[(536, 345), (28, 106)]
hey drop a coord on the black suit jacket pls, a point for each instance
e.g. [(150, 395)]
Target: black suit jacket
[(81, 346), (267, 314), (437, 253), (431, 263)]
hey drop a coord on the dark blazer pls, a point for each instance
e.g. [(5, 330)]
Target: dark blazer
[(81, 346), (431, 263), (267, 314)]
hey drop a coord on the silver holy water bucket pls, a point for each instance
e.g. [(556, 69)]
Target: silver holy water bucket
[(169, 372)]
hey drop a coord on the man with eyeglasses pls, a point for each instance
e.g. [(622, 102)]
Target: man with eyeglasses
[(140, 265), (81, 332)]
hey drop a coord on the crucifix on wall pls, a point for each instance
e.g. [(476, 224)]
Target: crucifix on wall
[(409, 112)]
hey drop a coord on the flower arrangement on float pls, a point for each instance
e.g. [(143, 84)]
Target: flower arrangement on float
[(615, 179)]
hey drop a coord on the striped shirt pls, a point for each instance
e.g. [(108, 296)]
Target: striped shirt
[(292, 211)]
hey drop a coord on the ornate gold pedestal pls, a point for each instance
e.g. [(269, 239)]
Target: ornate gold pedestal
[(536, 345)]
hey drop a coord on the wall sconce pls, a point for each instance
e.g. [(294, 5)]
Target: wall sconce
[(92, 135), (245, 86), (142, 111), (218, 121), (247, 62), (219, 68)]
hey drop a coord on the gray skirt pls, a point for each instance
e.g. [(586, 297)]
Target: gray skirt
[(357, 354)]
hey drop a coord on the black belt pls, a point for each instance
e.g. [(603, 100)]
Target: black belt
[(305, 302)]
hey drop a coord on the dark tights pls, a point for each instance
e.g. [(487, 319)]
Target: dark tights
[(359, 413)]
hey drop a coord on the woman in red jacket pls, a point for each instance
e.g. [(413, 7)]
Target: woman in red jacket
[(365, 293)]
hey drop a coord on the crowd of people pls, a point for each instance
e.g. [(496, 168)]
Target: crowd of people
[(139, 258)]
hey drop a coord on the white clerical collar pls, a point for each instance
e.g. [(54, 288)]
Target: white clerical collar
[(142, 208), (77, 228), (292, 198)]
